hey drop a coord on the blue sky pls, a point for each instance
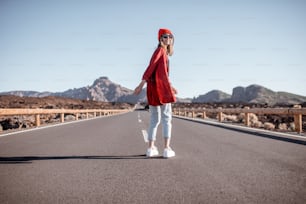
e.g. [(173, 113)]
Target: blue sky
[(55, 45)]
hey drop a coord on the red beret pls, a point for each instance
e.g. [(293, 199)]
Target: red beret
[(163, 31)]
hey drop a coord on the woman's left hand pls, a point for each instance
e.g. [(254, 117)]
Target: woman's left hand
[(174, 90)]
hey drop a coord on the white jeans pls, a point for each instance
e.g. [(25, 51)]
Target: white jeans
[(161, 113)]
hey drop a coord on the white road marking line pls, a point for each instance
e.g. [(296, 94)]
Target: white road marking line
[(145, 135), (53, 125), (139, 119), (254, 130)]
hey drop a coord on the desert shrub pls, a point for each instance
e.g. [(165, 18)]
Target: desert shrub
[(269, 126)]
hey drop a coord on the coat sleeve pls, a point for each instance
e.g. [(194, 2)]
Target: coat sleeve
[(153, 62)]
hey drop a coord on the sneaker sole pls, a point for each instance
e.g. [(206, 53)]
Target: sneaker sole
[(166, 157), (153, 155)]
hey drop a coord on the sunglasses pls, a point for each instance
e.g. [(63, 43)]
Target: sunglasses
[(167, 36)]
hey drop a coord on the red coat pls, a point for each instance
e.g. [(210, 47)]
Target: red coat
[(159, 89)]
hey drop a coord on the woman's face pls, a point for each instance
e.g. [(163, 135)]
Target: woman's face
[(167, 39)]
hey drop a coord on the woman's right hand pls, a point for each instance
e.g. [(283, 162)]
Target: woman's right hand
[(137, 90)]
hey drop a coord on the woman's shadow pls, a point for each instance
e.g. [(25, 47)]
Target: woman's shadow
[(30, 159)]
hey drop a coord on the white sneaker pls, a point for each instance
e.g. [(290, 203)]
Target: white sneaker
[(168, 152), (151, 152)]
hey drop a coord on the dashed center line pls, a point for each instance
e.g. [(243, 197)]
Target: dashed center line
[(145, 135), (144, 132)]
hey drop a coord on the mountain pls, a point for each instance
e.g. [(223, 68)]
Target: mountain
[(252, 94), (260, 94), (27, 93), (105, 90), (101, 90), (212, 96)]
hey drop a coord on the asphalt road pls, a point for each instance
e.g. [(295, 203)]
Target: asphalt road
[(103, 161)]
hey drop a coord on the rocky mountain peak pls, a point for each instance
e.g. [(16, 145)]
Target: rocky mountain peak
[(212, 96), (251, 94), (104, 89), (102, 81)]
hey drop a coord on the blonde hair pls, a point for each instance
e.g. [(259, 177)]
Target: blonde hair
[(170, 49)]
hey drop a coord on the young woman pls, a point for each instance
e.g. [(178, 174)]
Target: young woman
[(160, 93)]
